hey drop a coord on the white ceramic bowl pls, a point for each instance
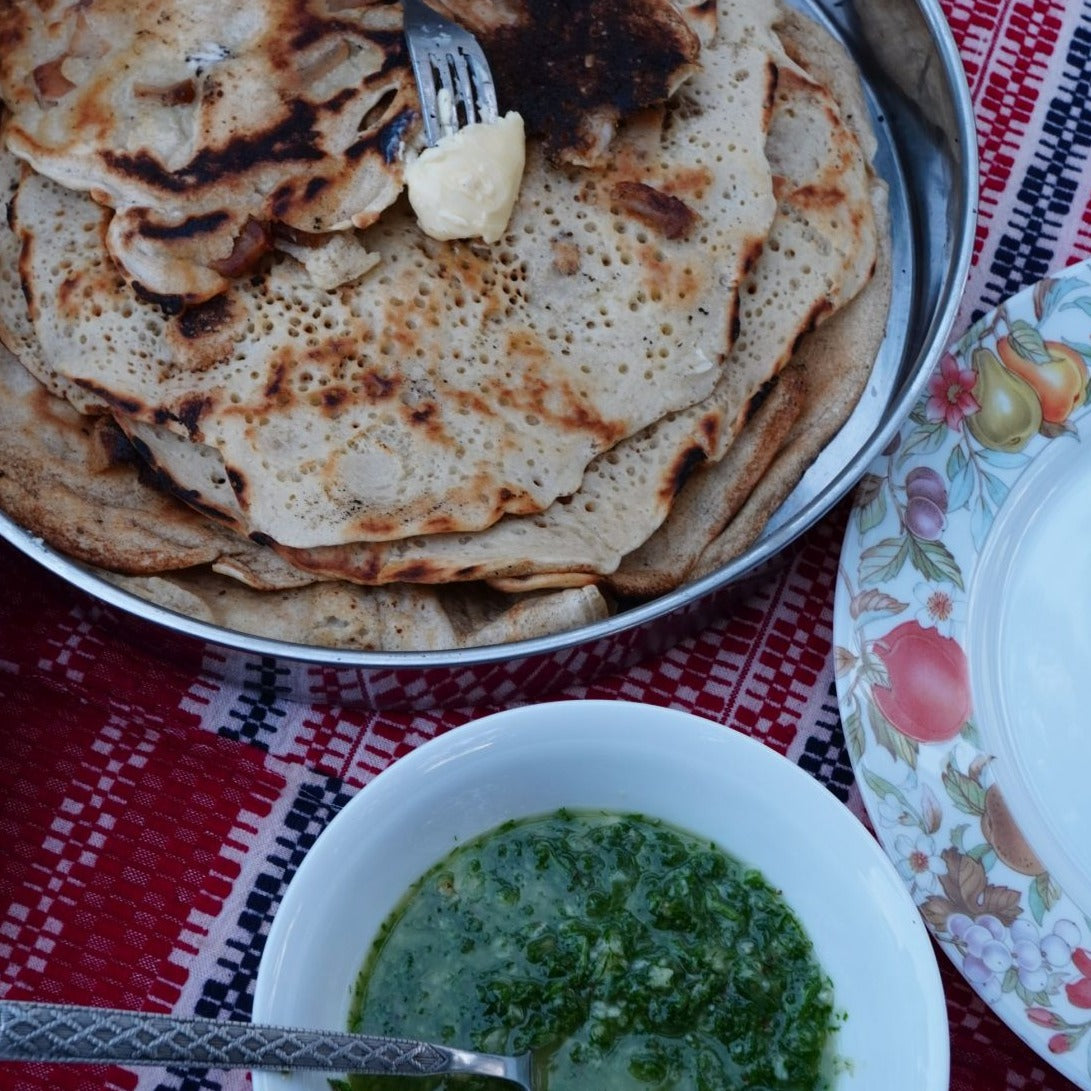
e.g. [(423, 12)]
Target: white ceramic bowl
[(613, 755)]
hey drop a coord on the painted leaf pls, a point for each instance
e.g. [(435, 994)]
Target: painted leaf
[(900, 747), (967, 887), (966, 793), (924, 440), (870, 514), (1035, 902), (874, 671), (931, 811), (871, 485), (883, 561), (844, 661), (853, 727), (1027, 340), (1002, 460), (996, 487), (883, 787), (1081, 347), (1056, 429), (937, 910), (1047, 890), (981, 520), (1081, 304), (935, 562), (1049, 293), (875, 602), (960, 479)]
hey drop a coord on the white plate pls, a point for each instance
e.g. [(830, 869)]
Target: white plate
[(615, 755), (962, 627)]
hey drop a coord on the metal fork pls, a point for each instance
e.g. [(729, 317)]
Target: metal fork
[(453, 79), (32, 1031)]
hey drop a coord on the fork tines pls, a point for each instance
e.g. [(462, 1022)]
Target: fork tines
[(453, 78)]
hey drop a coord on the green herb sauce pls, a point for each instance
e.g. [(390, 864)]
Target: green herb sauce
[(627, 953)]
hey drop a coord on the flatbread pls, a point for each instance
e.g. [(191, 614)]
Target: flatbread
[(819, 253), (711, 498), (837, 358), (448, 387), (390, 619), (233, 404), (75, 482), (63, 474), (722, 511), (208, 128)]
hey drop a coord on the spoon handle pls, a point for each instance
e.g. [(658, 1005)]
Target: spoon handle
[(31, 1031)]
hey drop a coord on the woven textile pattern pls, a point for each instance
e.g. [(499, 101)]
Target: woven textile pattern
[(150, 820)]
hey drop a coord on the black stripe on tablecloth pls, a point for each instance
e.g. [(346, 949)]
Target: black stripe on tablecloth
[(1027, 251)]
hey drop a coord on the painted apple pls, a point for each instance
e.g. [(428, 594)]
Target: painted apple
[(1060, 382), (927, 697)]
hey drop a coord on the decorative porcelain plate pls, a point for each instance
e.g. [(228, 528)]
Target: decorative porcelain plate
[(962, 628)]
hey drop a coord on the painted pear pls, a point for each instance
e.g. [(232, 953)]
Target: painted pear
[(1010, 413)]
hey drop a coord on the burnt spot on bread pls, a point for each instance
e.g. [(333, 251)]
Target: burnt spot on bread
[(664, 213), (759, 398), (182, 93), (334, 398), (387, 139), (130, 407), (113, 446), (678, 473), (709, 427), (821, 310), (375, 386), (190, 412), (772, 81), (237, 480), (275, 386), (205, 319), (169, 304), (314, 187), (602, 58), (150, 474), (282, 200), (566, 254), (293, 138), (189, 228)]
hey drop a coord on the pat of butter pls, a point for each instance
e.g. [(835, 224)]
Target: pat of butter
[(467, 184)]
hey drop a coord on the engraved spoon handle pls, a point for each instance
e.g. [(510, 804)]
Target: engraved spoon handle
[(31, 1031)]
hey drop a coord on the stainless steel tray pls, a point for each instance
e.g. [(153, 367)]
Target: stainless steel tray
[(928, 155)]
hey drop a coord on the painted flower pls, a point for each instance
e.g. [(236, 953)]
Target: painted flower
[(951, 393), (917, 861), (938, 607)]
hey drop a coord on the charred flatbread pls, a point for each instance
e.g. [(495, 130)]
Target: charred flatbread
[(820, 251), (614, 397), (450, 386)]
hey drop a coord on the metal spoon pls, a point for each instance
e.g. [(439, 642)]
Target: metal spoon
[(31, 1031)]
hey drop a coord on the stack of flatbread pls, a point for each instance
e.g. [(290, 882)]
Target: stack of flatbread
[(240, 381)]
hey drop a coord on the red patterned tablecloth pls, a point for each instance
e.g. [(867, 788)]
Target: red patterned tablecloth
[(150, 819)]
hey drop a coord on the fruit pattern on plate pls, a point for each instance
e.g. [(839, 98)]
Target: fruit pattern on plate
[(1015, 384)]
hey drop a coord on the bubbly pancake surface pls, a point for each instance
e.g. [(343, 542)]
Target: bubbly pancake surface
[(361, 404), (455, 383)]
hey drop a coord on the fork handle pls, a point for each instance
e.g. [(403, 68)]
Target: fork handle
[(31, 1031)]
